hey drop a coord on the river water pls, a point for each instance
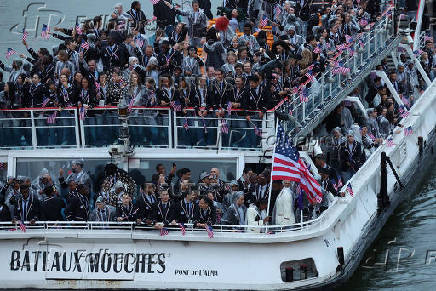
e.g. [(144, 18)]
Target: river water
[(403, 255)]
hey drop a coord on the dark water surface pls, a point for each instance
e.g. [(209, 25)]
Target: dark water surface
[(405, 250)]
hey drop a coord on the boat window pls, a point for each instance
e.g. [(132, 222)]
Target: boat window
[(298, 270)]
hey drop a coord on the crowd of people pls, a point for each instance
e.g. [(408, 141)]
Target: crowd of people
[(237, 74), (227, 70), (167, 199)]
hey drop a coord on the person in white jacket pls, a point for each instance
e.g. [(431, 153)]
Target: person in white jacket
[(257, 215), (284, 207)]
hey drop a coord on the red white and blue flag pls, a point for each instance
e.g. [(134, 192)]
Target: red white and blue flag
[(10, 52), (85, 45), (45, 32), (338, 184), (229, 108), (403, 111), (277, 10), (78, 28), (25, 34), (224, 126), (350, 190), (390, 142), (82, 113), (132, 101), (45, 102), (263, 21), (52, 118), (371, 136), (209, 230), (154, 1), (408, 131), (317, 50), (22, 226), (164, 231), (176, 106), (182, 228), (288, 166)]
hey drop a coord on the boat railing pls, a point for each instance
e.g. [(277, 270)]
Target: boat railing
[(361, 54), (14, 227), (157, 127)]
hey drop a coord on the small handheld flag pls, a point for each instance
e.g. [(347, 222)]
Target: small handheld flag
[(176, 106), (25, 34), (224, 126), (82, 113), (52, 118), (408, 131), (85, 45), (182, 228), (263, 21), (390, 142), (10, 52), (209, 230), (164, 231), (22, 226), (78, 28), (45, 102), (350, 190), (154, 2)]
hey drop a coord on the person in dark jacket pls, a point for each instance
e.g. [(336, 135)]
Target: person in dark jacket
[(52, 205), (5, 214), (350, 156), (114, 54), (137, 17), (126, 211), (146, 203), (78, 205), (186, 208), (165, 210), (205, 214), (27, 207)]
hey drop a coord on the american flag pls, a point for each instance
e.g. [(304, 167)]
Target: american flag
[(185, 124), (10, 52), (25, 34), (338, 184), (390, 142), (224, 126), (78, 28), (304, 95), (182, 228), (309, 76), (288, 166), (154, 1), (97, 86), (85, 45), (52, 118), (82, 113), (408, 131), (295, 90), (132, 101), (22, 226), (164, 231), (361, 44), (45, 31), (363, 22), (317, 50), (418, 52), (351, 51), (45, 102), (341, 47), (371, 136), (176, 106), (427, 37), (139, 41), (209, 230), (277, 10), (263, 21), (340, 70), (3, 165), (229, 108), (403, 111), (405, 101), (348, 39), (350, 190)]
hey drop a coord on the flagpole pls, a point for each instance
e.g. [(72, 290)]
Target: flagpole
[(270, 182)]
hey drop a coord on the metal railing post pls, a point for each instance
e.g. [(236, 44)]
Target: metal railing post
[(82, 127), (34, 136), (176, 140), (322, 88), (76, 128)]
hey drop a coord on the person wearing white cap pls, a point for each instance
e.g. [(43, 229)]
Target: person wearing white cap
[(350, 156)]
